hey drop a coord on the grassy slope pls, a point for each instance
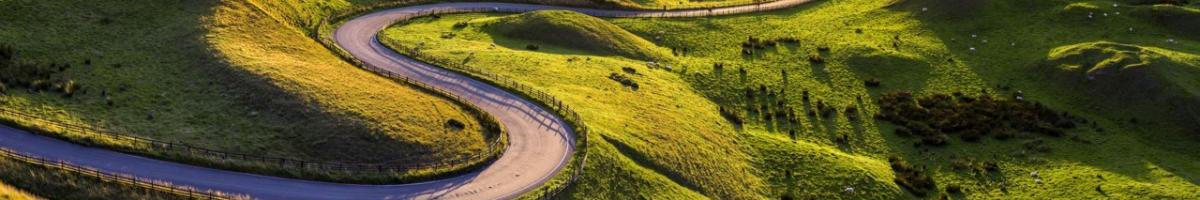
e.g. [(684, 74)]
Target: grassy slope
[(65, 185), (259, 38), (685, 154), (575, 30), (175, 90), (1126, 160)]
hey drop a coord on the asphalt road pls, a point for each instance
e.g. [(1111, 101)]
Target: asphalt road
[(540, 144)]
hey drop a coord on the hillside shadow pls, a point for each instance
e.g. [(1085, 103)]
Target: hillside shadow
[(165, 53), (959, 32)]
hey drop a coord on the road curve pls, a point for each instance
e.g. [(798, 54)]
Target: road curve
[(540, 143)]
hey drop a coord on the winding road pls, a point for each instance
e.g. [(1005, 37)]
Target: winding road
[(540, 143)]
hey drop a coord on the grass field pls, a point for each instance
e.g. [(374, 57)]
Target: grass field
[(238, 76), (167, 70), (265, 40), (651, 148)]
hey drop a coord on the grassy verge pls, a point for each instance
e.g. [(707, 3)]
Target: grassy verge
[(65, 185), (855, 41)]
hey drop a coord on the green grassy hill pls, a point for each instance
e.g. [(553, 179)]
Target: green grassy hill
[(1119, 75), (226, 75), (168, 70), (574, 30), (779, 72), (635, 164)]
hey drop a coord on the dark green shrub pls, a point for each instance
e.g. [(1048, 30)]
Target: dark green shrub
[(624, 80), (532, 47), (816, 59), (971, 118), (629, 70), (902, 132), (752, 44), (911, 178), (8, 55), (731, 116), (873, 82), (68, 88), (991, 167), (954, 189), (454, 124)]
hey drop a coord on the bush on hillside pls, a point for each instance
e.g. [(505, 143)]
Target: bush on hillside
[(454, 124), (910, 178), (954, 189), (753, 44), (816, 59), (532, 47), (872, 83), (934, 117), (629, 70), (732, 116), (624, 80), (36, 77)]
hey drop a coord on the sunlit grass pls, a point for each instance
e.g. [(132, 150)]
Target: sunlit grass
[(907, 51)]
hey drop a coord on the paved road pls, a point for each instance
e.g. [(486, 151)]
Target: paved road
[(540, 144)]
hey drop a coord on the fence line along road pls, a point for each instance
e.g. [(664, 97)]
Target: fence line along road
[(160, 186), (540, 141), (137, 143)]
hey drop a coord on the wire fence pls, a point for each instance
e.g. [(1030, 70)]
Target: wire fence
[(156, 185), (139, 144)]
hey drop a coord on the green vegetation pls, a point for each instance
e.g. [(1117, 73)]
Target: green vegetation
[(268, 40), (166, 70), (57, 184), (1123, 74), (683, 121), (200, 71), (971, 118), (801, 110), (9, 193), (574, 30)]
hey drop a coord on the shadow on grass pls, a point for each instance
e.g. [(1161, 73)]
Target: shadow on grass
[(1022, 62)]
